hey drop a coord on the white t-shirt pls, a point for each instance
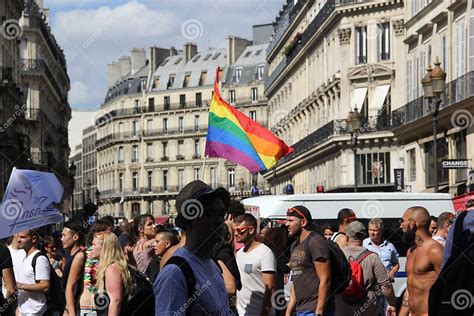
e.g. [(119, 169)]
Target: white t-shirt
[(251, 265), (18, 255), (32, 302)]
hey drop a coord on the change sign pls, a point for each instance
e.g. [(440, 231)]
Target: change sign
[(455, 164)]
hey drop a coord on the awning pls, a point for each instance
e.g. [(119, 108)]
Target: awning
[(358, 98), (160, 220), (461, 200), (431, 189), (378, 99)]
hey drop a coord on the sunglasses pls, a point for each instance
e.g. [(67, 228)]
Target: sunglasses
[(293, 209), (242, 230)]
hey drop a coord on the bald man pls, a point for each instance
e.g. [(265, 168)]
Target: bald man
[(423, 261)]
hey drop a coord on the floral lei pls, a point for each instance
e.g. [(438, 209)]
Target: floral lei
[(90, 268)]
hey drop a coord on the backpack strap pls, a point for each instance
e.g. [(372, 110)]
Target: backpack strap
[(33, 261), (363, 255), (189, 277)]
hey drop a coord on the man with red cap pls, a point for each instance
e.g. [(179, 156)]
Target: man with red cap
[(311, 269)]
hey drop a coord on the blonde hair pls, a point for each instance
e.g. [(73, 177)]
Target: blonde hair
[(112, 253)]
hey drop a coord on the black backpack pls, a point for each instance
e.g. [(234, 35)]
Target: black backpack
[(453, 291), (141, 302), (55, 297), (341, 273)]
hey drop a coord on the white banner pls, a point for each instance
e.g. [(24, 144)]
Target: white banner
[(28, 201)]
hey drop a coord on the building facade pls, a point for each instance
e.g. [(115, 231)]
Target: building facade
[(442, 30), (12, 134), (153, 124), (46, 85), (78, 198), (327, 58)]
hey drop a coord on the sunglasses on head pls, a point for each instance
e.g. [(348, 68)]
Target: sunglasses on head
[(293, 209), (242, 230)]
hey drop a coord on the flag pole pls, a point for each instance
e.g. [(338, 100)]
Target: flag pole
[(203, 168)]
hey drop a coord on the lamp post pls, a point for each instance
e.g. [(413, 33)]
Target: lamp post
[(354, 121), (97, 197), (72, 172), (434, 85), (89, 184)]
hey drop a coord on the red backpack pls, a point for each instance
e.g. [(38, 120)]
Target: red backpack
[(355, 292)]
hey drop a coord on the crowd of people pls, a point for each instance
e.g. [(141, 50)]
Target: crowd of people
[(224, 261)]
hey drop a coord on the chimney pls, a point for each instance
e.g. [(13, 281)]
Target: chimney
[(157, 55), (138, 59), (124, 66), (114, 73), (235, 47), (190, 50), (173, 51)]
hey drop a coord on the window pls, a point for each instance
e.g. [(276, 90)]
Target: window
[(237, 75), (166, 103), (213, 177), (165, 149), (196, 123), (207, 57), (216, 55), (182, 100), (121, 182), (187, 80), (260, 70), (180, 179), (443, 51), (165, 180), (461, 153), (411, 164), (384, 41), (135, 181), (121, 155), (232, 96), (231, 178), (196, 173), (149, 125), (196, 147), (165, 125), (135, 128), (203, 78), (196, 58), (181, 147), (180, 124), (198, 99), (170, 82), (151, 104), (156, 83), (135, 153), (374, 168), (247, 54), (120, 128), (150, 177), (135, 210), (149, 152), (361, 44), (137, 104), (253, 115), (254, 95)]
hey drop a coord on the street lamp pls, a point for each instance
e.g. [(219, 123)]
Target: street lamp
[(354, 122), (89, 184), (72, 172), (434, 85)]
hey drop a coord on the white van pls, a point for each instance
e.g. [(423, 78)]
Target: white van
[(325, 206)]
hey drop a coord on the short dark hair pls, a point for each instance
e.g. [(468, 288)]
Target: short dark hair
[(77, 228), (109, 219), (343, 214), (248, 219), (236, 208), (443, 220), (171, 237)]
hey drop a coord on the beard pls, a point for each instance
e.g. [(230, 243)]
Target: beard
[(409, 236)]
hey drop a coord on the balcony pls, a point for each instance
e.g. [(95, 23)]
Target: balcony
[(33, 114), (457, 90), (196, 156), (116, 137), (165, 158), (38, 67), (179, 157), (170, 132), (150, 159)]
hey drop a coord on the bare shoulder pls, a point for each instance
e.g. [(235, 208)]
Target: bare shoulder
[(113, 269), (434, 248)]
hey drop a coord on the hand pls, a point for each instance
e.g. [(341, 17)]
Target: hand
[(20, 286), (391, 310)]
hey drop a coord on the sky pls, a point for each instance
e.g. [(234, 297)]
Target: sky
[(94, 33)]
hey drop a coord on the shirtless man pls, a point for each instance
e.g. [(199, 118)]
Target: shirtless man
[(423, 261)]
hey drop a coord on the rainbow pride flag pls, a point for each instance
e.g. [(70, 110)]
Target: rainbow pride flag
[(234, 136)]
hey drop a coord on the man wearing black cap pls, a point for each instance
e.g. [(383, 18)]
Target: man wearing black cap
[(310, 265), (201, 212)]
